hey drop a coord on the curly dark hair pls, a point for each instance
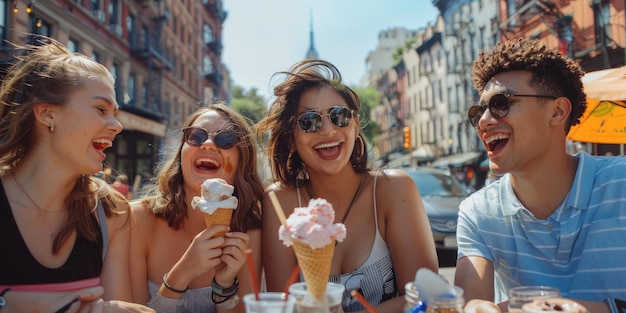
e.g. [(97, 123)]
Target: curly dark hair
[(167, 197), (553, 73), (287, 166)]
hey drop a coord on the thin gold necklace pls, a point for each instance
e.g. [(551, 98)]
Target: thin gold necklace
[(31, 199), (356, 194)]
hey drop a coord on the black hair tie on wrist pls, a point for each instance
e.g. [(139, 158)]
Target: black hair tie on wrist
[(172, 288), (2, 301)]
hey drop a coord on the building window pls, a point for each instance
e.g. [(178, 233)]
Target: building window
[(130, 94), (207, 66), (207, 34), (143, 38), (96, 56), (95, 5), (37, 26), (72, 45), (132, 31), (115, 69), (601, 16), (113, 11), (144, 95), (3, 20)]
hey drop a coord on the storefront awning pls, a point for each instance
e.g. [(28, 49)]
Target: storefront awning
[(458, 159), (132, 121)]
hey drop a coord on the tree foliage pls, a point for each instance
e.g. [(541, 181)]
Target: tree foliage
[(370, 99), (248, 103)]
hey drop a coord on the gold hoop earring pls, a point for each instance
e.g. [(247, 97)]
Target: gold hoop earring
[(362, 144), (51, 126)]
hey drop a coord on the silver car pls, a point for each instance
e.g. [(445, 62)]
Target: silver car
[(441, 194)]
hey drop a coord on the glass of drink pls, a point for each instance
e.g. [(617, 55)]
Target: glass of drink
[(554, 305), (306, 304), (519, 296), (269, 302)]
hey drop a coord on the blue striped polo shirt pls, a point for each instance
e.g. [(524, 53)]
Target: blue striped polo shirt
[(580, 248)]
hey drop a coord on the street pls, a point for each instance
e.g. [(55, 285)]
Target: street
[(448, 273)]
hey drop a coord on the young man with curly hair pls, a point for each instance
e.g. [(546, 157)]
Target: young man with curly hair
[(553, 218)]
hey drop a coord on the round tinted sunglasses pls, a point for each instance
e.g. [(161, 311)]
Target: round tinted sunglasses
[(311, 121), (195, 136), (498, 106)]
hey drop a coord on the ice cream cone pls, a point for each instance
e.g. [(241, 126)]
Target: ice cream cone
[(221, 216), (315, 266)]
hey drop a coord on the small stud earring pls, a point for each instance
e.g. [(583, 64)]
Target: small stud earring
[(51, 126)]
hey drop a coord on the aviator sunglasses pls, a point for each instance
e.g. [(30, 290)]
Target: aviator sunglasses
[(498, 106), (311, 121), (195, 136)]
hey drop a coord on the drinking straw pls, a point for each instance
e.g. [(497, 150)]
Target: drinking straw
[(364, 302), (292, 279), (253, 277), (278, 208)]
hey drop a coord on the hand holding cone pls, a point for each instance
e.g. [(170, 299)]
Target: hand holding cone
[(216, 202)]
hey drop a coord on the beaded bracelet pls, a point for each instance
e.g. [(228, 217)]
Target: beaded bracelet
[(172, 288)]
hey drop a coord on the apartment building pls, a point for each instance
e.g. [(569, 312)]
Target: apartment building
[(165, 54)]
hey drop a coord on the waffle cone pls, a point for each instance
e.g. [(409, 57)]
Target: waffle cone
[(315, 266), (221, 216)]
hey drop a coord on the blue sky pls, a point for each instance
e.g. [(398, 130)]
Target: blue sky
[(263, 37)]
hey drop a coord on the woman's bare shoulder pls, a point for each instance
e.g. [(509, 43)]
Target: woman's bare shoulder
[(142, 212), (391, 178)]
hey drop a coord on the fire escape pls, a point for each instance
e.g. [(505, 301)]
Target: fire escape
[(213, 47), (603, 53), (527, 13), (149, 51)]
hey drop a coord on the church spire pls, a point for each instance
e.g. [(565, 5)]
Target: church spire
[(312, 53)]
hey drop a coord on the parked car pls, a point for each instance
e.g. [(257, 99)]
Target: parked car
[(441, 194)]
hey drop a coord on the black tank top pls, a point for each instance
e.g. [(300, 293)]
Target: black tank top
[(19, 267)]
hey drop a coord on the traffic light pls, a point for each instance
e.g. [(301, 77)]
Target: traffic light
[(407, 138)]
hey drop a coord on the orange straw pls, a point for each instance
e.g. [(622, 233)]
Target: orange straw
[(253, 278), (292, 279), (364, 302)]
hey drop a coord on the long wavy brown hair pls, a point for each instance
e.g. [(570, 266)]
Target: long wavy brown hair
[(50, 73), (553, 74), (167, 195), (287, 166)]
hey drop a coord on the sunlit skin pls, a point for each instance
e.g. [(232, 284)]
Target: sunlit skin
[(530, 146), (84, 127), (402, 220), (339, 141), (207, 161), (193, 255)]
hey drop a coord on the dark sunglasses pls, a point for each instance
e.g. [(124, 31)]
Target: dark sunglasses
[(195, 136), (311, 121), (498, 106)]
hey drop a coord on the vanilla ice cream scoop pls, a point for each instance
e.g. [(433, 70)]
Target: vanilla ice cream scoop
[(216, 193)]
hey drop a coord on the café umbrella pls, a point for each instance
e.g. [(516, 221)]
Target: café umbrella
[(604, 121)]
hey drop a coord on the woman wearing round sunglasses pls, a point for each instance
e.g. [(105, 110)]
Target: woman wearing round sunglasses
[(178, 265), (317, 151)]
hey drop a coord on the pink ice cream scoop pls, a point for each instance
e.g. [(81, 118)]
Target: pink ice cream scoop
[(313, 225)]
